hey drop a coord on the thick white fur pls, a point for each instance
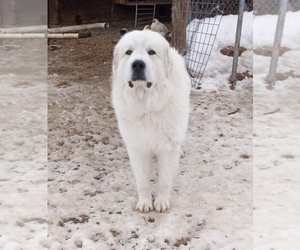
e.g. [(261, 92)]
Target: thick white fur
[(152, 121)]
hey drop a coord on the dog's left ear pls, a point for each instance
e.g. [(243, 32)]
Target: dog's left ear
[(123, 31)]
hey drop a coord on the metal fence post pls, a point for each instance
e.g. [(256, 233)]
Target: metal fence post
[(136, 12), (277, 41), (232, 78)]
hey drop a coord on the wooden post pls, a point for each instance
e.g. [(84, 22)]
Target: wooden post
[(180, 9), (136, 12), (53, 12)]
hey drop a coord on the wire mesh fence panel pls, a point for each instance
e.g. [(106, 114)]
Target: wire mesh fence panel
[(201, 32), (195, 27)]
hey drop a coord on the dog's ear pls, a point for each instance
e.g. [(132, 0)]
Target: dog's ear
[(123, 31)]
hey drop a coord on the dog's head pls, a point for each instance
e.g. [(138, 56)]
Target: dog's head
[(141, 59)]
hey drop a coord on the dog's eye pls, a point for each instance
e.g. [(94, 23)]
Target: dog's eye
[(128, 52), (151, 52)]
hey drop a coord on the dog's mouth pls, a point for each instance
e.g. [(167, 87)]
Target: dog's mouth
[(133, 83)]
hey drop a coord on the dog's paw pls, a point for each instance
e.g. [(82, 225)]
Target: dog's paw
[(144, 206), (161, 204)]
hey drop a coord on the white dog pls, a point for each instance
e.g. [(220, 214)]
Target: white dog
[(150, 96)]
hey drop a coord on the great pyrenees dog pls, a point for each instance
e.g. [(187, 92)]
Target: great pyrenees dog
[(150, 95)]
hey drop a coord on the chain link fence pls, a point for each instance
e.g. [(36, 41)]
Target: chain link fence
[(195, 27), (278, 8), (271, 7)]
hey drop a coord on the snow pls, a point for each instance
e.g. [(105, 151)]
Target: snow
[(23, 147), (211, 204), (91, 191), (265, 27), (276, 139), (200, 47)]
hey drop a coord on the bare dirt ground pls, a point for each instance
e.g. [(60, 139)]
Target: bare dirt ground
[(92, 193)]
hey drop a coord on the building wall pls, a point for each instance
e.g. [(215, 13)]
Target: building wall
[(71, 12)]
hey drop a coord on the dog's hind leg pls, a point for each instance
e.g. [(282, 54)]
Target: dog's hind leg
[(141, 163), (168, 161)]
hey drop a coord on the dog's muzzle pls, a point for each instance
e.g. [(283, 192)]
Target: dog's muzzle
[(138, 73)]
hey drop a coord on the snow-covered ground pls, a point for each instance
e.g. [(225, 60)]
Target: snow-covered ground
[(91, 191), (276, 141), (23, 145)]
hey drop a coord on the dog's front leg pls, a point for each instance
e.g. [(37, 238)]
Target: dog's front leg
[(168, 161), (140, 162)]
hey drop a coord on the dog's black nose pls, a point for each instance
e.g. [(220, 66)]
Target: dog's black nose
[(138, 70), (138, 65)]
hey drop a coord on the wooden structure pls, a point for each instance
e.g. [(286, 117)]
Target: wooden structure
[(180, 11), (144, 10)]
